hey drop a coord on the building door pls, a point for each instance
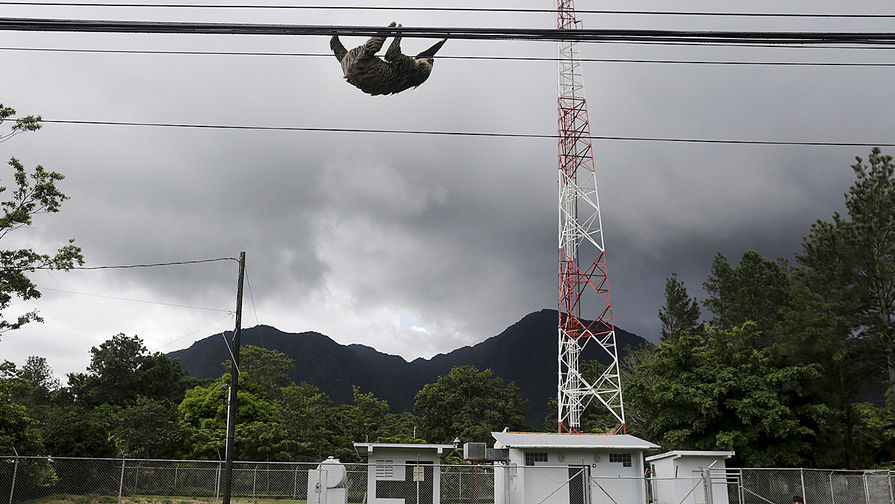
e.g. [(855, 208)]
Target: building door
[(579, 487)]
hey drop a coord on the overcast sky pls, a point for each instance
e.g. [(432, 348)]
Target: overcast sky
[(414, 245)]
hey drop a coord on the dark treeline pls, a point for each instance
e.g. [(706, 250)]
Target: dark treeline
[(136, 404)]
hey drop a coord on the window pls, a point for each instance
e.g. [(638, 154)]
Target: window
[(623, 458), (531, 458), (385, 469)]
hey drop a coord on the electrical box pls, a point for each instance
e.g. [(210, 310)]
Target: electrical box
[(475, 451)]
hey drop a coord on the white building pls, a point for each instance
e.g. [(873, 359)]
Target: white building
[(547, 468), (403, 473), (684, 477)]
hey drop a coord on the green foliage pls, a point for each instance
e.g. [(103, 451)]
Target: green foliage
[(680, 312), (267, 370), (756, 290), (150, 429), (866, 254), (14, 423), (469, 404), (721, 391), (34, 193), (81, 432), (122, 369), (21, 125), (400, 428), (260, 434), (306, 415)]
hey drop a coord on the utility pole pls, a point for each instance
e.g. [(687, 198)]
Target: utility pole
[(233, 403)]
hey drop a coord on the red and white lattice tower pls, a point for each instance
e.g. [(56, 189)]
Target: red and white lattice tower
[(583, 283)]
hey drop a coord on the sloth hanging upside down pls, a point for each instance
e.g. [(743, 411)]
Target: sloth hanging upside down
[(375, 76)]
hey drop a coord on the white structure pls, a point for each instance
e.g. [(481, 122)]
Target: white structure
[(327, 483), (685, 477), (403, 473), (570, 468)]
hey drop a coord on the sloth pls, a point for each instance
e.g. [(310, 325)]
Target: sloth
[(373, 75)]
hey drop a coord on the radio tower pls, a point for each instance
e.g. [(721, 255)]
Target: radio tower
[(583, 283)]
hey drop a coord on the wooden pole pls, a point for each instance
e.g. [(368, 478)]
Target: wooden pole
[(234, 386)]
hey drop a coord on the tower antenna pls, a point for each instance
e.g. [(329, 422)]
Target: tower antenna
[(583, 282)]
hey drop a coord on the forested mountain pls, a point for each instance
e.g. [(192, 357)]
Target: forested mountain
[(524, 353)]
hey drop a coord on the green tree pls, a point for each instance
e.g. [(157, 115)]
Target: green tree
[(81, 432), (723, 391), (16, 428), (28, 393), (756, 290), (122, 369), (680, 312), (306, 415), (267, 369), (401, 427), (841, 290), (864, 251), (469, 404), (34, 193), (150, 429), (260, 432)]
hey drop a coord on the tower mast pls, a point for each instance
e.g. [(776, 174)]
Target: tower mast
[(583, 282)]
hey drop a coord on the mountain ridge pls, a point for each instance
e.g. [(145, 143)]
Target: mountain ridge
[(526, 345)]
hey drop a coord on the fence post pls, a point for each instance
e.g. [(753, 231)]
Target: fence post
[(832, 492), (889, 480), (121, 481), (217, 484), (866, 488), (802, 477), (707, 483), (295, 483), (254, 480), (15, 468)]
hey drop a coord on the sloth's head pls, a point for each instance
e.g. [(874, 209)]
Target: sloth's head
[(426, 58)]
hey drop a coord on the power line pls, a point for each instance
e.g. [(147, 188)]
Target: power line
[(187, 335), (552, 35), (468, 134), (134, 266), (136, 300), (473, 58), (451, 9)]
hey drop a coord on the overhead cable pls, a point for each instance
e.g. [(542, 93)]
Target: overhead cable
[(469, 133), (118, 298), (553, 35), (135, 266), (446, 57), (447, 9)]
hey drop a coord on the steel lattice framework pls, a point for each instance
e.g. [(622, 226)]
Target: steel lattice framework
[(583, 282)]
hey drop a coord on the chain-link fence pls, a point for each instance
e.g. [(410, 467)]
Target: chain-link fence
[(46, 480), (39, 480), (817, 486)]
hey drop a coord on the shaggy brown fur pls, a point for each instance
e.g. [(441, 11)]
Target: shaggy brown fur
[(375, 76)]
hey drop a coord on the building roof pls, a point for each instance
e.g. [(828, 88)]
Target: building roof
[(364, 449), (690, 453), (549, 440)]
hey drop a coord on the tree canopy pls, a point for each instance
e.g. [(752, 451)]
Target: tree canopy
[(469, 404), (33, 193)]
